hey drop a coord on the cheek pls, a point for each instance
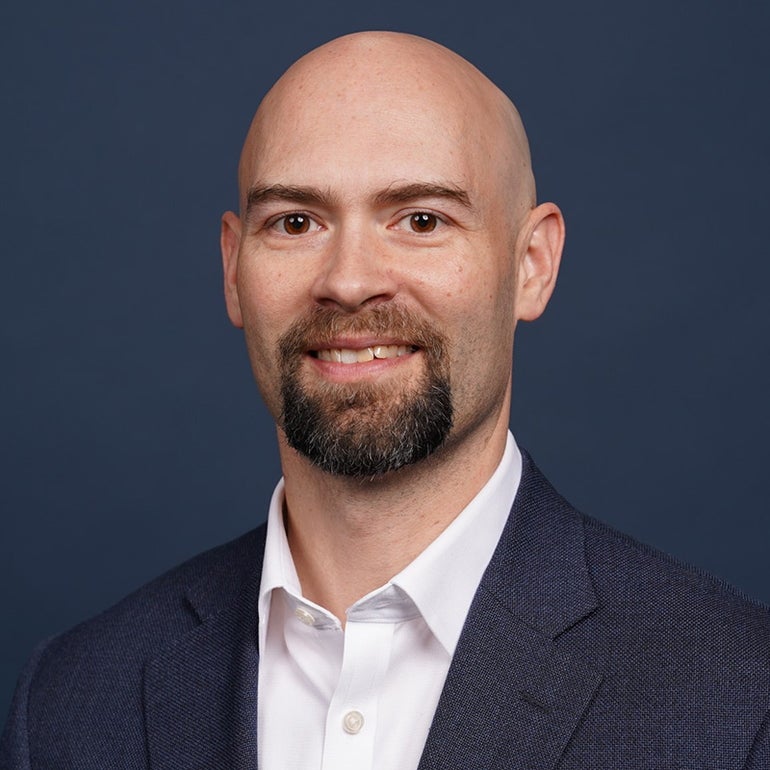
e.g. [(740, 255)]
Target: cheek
[(480, 319), (472, 293), (262, 350), (267, 298), (267, 309)]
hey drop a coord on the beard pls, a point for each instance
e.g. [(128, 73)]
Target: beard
[(365, 429)]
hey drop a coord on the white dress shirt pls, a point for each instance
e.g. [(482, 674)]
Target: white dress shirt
[(364, 698)]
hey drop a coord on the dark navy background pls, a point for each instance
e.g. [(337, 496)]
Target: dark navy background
[(133, 435)]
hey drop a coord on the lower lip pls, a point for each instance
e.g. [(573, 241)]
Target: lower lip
[(362, 370)]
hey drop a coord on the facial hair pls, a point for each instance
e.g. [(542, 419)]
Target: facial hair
[(365, 429)]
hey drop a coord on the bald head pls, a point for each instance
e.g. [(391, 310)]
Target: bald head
[(397, 80)]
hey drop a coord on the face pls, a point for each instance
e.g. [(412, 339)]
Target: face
[(377, 267)]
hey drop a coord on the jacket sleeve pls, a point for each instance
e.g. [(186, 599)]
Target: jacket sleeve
[(14, 743)]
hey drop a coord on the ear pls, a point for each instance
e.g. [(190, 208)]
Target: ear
[(543, 234), (230, 243)]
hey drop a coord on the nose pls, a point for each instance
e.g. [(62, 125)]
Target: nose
[(355, 272)]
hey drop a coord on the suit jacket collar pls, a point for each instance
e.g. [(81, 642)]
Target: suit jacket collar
[(514, 695), (200, 694), (539, 571)]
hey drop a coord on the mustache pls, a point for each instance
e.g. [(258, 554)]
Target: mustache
[(322, 325)]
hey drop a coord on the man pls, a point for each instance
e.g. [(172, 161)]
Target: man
[(421, 597)]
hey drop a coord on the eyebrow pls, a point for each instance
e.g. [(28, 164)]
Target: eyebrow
[(279, 192), (396, 193), (404, 193)]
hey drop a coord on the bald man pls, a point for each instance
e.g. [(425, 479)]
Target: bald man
[(420, 597)]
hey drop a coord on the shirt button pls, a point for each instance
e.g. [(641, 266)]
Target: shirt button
[(304, 616), (352, 722)]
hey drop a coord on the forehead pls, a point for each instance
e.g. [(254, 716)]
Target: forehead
[(356, 131)]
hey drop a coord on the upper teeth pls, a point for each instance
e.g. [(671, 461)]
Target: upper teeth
[(351, 356)]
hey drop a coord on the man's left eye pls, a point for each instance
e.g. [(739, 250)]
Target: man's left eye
[(296, 224), (423, 222)]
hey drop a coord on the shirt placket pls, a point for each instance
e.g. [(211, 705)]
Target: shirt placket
[(351, 721)]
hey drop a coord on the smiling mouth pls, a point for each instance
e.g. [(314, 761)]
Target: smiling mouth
[(362, 355)]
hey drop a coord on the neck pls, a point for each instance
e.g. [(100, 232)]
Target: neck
[(350, 536)]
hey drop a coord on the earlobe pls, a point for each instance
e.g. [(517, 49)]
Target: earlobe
[(540, 261), (230, 243)]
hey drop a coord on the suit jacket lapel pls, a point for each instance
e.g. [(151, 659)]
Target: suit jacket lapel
[(201, 693), (514, 693)]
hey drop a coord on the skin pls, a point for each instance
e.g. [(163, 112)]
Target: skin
[(373, 128)]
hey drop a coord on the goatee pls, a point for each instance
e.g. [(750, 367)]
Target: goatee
[(365, 429)]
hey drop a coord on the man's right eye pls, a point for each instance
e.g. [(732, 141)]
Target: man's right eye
[(295, 224)]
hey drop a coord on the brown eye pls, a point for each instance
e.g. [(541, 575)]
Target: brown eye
[(422, 222), (296, 224)]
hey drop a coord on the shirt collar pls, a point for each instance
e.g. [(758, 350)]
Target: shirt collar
[(442, 580), (278, 570)]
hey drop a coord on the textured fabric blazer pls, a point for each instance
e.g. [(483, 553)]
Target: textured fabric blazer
[(582, 650)]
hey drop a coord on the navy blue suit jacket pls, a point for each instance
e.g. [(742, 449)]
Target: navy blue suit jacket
[(582, 650)]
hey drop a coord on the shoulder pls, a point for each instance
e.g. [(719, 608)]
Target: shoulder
[(92, 674), (651, 592), (680, 648), (165, 608), (646, 619), (679, 653), (640, 584)]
